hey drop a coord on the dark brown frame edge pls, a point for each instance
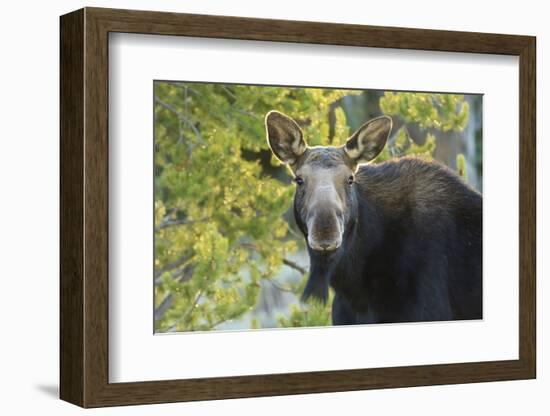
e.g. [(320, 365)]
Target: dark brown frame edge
[(84, 207)]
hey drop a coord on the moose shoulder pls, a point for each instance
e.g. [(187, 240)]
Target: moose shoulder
[(398, 241)]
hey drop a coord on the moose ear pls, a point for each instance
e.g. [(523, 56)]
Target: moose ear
[(367, 142), (284, 137)]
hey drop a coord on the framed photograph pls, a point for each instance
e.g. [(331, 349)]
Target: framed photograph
[(255, 207)]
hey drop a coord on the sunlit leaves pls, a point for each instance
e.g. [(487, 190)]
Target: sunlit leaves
[(214, 198), (314, 313), (439, 111), (461, 166), (402, 145)]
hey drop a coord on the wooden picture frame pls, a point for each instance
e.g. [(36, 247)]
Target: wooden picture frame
[(84, 207)]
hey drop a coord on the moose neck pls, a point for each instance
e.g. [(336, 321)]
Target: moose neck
[(360, 240), (343, 268)]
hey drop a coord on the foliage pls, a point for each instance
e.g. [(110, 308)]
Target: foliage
[(461, 166), (439, 111), (403, 145), (222, 221)]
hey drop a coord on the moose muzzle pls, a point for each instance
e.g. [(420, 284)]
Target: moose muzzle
[(325, 230)]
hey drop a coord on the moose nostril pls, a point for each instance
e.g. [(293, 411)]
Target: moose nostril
[(324, 246)]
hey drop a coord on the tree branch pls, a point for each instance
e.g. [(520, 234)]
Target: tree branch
[(171, 266), (229, 318), (186, 120), (167, 223), (187, 313), (182, 275), (294, 266), (286, 262), (279, 287)]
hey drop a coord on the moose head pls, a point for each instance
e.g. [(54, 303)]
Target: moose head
[(326, 196)]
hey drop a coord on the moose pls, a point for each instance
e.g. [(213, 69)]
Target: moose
[(398, 241)]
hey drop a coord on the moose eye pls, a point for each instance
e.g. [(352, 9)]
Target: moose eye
[(298, 180), (350, 180)]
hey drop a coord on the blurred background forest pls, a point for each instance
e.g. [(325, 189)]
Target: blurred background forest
[(228, 254)]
